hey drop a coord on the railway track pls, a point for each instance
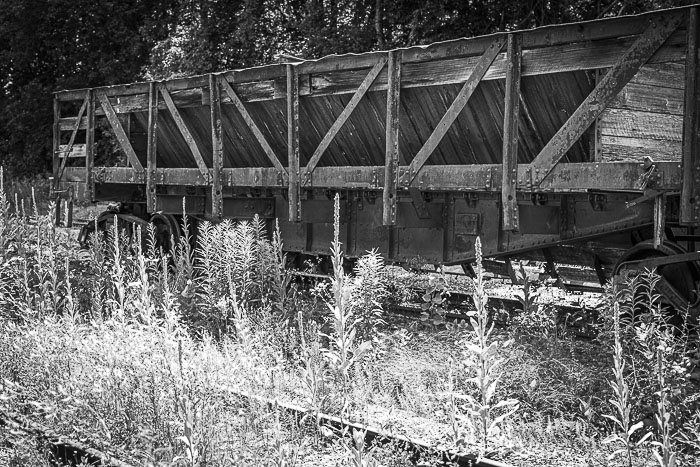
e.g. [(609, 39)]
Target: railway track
[(420, 451), (63, 450)]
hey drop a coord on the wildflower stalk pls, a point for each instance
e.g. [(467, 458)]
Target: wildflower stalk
[(622, 399), (487, 365), (118, 272), (667, 458), (344, 352)]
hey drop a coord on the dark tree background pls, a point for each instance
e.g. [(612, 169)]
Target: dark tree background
[(48, 45)]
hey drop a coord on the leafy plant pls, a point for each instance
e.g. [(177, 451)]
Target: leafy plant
[(344, 350), (434, 299), (486, 413), (622, 401)]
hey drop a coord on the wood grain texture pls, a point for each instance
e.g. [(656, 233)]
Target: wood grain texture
[(236, 101), (184, 130), (455, 108), (641, 125), (342, 118)]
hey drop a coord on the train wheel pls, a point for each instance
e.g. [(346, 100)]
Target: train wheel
[(678, 283)]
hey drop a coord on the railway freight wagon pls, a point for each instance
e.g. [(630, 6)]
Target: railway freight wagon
[(572, 144)]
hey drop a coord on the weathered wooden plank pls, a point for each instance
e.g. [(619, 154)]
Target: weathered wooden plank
[(649, 99), (669, 74), (614, 80), (620, 148), (90, 146), (641, 125), (217, 200), (341, 80), (342, 118), (69, 146), (659, 220), (236, 101), (293, 144), (152, 148), (122, 138), (184, 131), (509, 199), (77, 151), (68, 123), (690, 191), (140, 102), (56, 140), (543, 37), (453, 112), (391, 151), (547, 60)]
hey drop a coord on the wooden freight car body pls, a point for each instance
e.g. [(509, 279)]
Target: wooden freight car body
[(574, 144)]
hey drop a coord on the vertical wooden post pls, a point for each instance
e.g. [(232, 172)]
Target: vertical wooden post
[(69, 211), (90, 147), (659, 220), (448, 228), (152, 148), (56, 137), (217, 201), (293, 143), (391, 160), (690, 190), (509, 198), (56, 160)]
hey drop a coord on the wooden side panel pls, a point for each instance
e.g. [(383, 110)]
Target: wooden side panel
[(646, 117)]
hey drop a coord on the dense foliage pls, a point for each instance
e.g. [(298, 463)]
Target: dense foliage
[(47, 46)]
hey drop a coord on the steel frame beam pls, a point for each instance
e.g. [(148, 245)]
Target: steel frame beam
[(625, 177), (294, 190), (217, 200), (90, 146), (152, 146), (509, 199), (391, 152)]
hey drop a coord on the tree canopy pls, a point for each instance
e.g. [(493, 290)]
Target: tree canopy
[(57, 44)]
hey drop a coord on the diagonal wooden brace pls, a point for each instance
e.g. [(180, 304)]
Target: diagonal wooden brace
[(457, 106), (119, 132), (189, 139), (342, 118), (612, 83), (69, 148), (252, 125)]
